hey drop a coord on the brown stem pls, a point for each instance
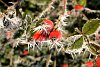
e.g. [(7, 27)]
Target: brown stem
[(11, 57), (77, 30), (48, 60), (65, 2), (55, 63), (58, 21), (55, 53), (44, 11), (4, 3), (2, 47), (75, 2)]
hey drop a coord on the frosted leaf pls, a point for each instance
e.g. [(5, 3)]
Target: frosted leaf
[(70, 40)]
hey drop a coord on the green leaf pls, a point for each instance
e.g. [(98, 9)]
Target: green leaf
[(83, 2), (91, 26), (77, 44)]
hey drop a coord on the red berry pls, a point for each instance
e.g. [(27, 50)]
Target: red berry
[(98, 62), (89, 64), (64, 65), (57, 34), (49, 23), (78, 7), (25, 52), (38, 36)]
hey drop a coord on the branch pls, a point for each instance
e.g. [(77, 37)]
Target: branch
[(46, 10), (55, 53), (4, 3), (48, 60), (65, 2)]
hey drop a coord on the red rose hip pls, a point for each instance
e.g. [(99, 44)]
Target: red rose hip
[(98, 62), (57, 34), (49, 24), (25, 52), (89, 64), (38, 36), (78, 7), (64, 65)]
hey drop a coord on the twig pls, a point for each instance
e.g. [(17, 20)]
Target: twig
[(4, 3), (55, 58), (11, 57), (47, 63), (58, 21), (77, 30), (65, 2), (46, 10), (2, 47), (92, 11)]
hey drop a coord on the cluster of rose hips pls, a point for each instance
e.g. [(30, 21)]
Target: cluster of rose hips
[(48, 33)]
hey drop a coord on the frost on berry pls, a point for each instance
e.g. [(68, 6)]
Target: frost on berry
[(56, 37), (46, 25), (49, 24), (37, 39), (38, 36), (55, 34), (41, 34)]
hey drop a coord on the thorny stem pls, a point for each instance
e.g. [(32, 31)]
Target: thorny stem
[(44, 11), (4, 3), (58, 21), (11, 57), (2, 47), (48, 60), (85, 17), (90, 10), (77, 30), (11, 54), (65, 2), (55, 58)]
